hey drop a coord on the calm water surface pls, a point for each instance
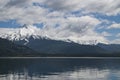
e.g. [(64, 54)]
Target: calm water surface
[(59, 69)]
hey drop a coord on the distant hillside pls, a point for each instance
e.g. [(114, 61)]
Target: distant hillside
[(61, 48), (114, 48), (46, 47), (8, 48)]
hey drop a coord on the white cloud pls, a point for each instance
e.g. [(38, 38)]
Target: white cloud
[(106, 34), (114, 26), (115, 41), (23, 15), (77, 29)]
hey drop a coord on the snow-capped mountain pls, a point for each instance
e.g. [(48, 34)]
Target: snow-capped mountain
[(26, 31), (21, 33), (40, 41)]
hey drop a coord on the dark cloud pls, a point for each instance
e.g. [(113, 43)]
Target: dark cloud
[(59, 5), (17, 3)]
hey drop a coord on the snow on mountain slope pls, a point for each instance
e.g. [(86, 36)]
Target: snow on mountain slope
[(21, 33), (27, 31)]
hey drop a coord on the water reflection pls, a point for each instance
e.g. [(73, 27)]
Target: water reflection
[(59, 69)]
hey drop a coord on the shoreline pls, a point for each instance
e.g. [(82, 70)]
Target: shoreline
[(59, 57)]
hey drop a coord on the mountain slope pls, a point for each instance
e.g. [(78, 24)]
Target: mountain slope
[(53, 47), (115, 48), (8, 48)]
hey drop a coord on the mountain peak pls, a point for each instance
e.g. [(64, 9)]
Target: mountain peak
[(22, 33), (27, 26)]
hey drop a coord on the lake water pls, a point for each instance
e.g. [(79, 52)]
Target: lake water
[(59, 69)]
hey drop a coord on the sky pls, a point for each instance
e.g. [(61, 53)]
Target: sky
[(66, 19)]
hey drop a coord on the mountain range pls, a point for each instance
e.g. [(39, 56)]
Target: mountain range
[(29, 39), (26, 31)]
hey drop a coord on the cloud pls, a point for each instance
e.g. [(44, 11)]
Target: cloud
[(17, 3), (17, 9), (118, 35), (106, 34), (114, 26), (59, 17), (77, 29), (108, 7), (115, 41)]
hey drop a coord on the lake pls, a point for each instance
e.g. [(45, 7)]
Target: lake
[(60, 69)]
